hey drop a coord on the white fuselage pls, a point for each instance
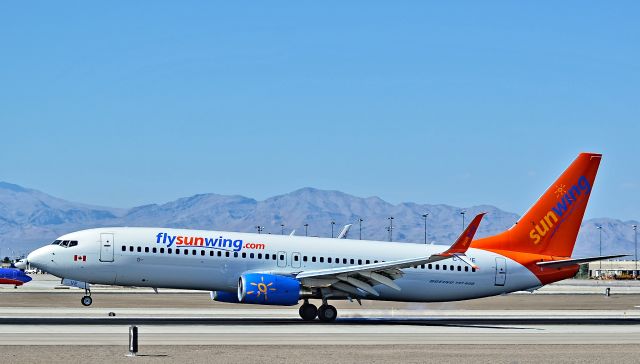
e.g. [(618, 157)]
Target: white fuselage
[(148, 257)]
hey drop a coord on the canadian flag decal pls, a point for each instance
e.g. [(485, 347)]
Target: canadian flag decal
[(79, 258)]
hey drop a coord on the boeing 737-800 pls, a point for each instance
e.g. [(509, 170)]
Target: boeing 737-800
[(283, 270)]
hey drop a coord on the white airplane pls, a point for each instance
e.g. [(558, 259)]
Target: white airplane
[(282, 270)]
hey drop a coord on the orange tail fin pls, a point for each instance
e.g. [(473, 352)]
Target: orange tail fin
[(551, 225)]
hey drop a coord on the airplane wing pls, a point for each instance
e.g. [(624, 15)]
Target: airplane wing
[(568, 262), (352, 279)]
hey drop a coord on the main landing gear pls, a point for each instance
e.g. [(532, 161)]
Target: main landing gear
[(87, 300), (326, 312)]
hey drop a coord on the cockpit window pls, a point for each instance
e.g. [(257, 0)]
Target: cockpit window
[(73, 243), (57, 242), (65, 243)]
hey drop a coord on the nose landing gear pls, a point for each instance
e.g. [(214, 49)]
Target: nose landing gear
[(86, 299)]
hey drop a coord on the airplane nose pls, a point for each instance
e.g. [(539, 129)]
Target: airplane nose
[(21, 264), (39, 258)]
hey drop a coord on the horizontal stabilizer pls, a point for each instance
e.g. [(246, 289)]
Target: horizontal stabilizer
[(569, 262)]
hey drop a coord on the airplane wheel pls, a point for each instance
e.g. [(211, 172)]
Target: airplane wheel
[(86, 301), (327, 313), (308, 312)]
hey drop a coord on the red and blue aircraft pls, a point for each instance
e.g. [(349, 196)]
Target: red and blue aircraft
[(13, 276)]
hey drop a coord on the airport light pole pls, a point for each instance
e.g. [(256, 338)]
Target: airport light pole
[(360, 222), (635, 240), (281, 229), (424, 216), (390, 218), (259, 228), (306, 229), (462, 213), (599, 227), (332, 223)]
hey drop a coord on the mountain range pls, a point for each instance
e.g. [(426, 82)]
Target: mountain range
[(30, 218)]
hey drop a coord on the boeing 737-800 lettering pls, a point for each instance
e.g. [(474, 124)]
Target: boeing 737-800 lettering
[(283, 270)]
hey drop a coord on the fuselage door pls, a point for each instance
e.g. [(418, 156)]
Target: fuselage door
[(295, 260), (106, 247), (501, 271), (282, 259)]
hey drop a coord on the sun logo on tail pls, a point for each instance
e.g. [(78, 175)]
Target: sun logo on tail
[(560, 190), (262, 288)]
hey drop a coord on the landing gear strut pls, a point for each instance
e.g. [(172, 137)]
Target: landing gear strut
[(87, 300), (308, 311)]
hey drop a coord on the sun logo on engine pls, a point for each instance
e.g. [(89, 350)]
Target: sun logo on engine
[(262, 288), (560, 190)]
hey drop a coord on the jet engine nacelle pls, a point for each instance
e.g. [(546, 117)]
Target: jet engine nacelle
[(268, 289), (223, 296)]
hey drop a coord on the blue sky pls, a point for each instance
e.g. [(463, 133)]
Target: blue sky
[(463, 103)]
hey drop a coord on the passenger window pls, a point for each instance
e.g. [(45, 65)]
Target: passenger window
[(329, 260), (130, 248), (235, 254), (146, 249), (422, 266), (473, 269), (211, 253), (375, 261), (273, 256), (304, 259), (186, 252), (359, 261), (161, 250), (244, 255), (321, 259), (139, 250), (313, 259), (296, 258), (281, 257), (219, 253), (251, 255), (437, 266), (259, 255), (451, 267), (202, 252), (459, 268), (177, 251), (169, 250), (124, 248), (226, 254), (430, 266), (154, 250), (193, 252), (466, 268), (344, 260), (444, 267), (352, 261), (368, 261)]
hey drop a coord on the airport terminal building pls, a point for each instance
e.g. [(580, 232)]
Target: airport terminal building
[(613, 269)]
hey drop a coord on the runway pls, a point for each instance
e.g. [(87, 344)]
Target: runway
[(48, 325)]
